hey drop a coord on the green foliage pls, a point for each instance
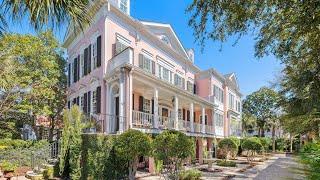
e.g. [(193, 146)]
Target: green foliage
[(172, 147), (8, 166), (41, 13), (252, 145), (281, 144), (226, 163), (310, 156), (131, 145), (263, 105), (265, 142), (19, 152), (71, 143), (235, 140), (192, 174), (227, 146), (249, 123)]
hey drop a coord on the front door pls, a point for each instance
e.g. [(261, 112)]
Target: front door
[(117, 114)]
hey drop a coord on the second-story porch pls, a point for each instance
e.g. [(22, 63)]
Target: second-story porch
[(148, 103)]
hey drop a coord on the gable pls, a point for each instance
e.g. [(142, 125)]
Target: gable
[(166, 33)]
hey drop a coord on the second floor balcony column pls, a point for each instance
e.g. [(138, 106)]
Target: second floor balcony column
[(156, 109), (122, 99), (191, 117), (176, 113), (203, 120)]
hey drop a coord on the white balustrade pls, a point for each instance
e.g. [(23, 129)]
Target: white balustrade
[(142, 119)]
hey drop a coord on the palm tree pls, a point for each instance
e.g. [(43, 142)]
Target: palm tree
[(42, 13), (249, 122)]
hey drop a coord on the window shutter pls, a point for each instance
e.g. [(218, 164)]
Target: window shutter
[(69, 104), (78, 68), (152, 106), (99, 51), (75, 70), (69, 74), (98, 99), (183, 84), (188, 115), (89, 59), (153, 67), (74, 101), (132, 101), (78, 101), (194, 116), (184, 114), (141, 103), (85, 105), (194, 89), (140, 60), (175, 79), (85, 65), (89, 102)]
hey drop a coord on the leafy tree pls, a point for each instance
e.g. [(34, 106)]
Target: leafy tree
[(252, 145), (263, 105), (237, 141), (294, 40), (131, 145), (32, 78), (228, 146), (248, 122), (172, 147), (265, 142), (71, 143), (41, 13)]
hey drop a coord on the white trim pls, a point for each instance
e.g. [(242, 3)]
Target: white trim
[(147, 54), (123, 40)]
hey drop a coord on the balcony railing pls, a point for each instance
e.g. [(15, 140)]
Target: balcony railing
[(166, 122), (142, 119)]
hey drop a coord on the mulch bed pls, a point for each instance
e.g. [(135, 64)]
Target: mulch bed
[(210, 170), (21, 171)]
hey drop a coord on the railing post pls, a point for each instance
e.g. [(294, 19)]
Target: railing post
[(155, 111), (191, 117), (176, 114)]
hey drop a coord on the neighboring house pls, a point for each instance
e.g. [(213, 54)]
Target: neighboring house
[(127, 73)]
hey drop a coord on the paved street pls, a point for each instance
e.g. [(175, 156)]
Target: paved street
[(283, 168)]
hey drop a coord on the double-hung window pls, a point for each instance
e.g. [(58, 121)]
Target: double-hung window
[(121, 44), (165, 74), (94, 55), (179, 81), (218, 93), (218, 118), (146, 106), (190, 86), (94, 101), (231, 101), (146, 63)]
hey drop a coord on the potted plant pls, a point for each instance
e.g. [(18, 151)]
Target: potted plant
[(8, 168)]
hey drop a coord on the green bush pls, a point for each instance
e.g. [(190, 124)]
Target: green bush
[(191, 174), (226, 163), (237, 141), (310, 156), (227, 146), (131, 145), (173, 147), (281, 144), (266, 143), (252, 145)]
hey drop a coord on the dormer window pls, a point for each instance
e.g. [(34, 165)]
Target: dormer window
[(123, 5)]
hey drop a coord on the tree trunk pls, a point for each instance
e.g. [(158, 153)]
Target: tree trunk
[(133, 168), (291, 142), (52, 124), (273, 139)]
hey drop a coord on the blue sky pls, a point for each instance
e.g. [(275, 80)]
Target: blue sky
[(252, 73)]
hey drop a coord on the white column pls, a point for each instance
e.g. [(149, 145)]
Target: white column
[(203, 120), (156, 109), (176, 114), (191, 117), (121, 100), (213, 122), (130, 99)]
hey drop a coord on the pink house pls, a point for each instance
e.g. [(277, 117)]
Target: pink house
[(127, 73)]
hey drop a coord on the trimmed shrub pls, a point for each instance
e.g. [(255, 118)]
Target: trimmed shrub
[(226, 163), (266, 143), (131, 145), (237, 141), (173, 147), (227, 146), (192, 174), (281, 144), (310, 156), (252, 145)]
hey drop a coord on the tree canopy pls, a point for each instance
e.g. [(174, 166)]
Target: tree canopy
[(263, 105), (32, 78)]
